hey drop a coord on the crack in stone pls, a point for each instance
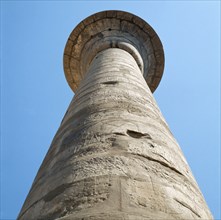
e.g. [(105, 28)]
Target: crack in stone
[(110, 83), (187, 206), (161, 156), (119, 133), (159, 161), (135, 134)]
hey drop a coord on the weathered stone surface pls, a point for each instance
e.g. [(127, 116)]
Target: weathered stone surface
[(108, 29), (113, 156)]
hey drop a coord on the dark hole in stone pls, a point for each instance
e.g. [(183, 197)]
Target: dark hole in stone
[(109, 29), (100, 35), (110, 82), (136, 134)]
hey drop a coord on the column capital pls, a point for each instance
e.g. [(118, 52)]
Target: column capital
[(113, 29)]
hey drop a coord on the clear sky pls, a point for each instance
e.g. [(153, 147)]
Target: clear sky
[(35, 95)]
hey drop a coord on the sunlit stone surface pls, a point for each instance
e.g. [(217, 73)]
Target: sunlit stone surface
[(114, 156)]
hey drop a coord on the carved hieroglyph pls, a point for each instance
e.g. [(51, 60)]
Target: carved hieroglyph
[(114, 156)]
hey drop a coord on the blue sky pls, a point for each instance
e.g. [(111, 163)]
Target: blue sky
[(35, 95)]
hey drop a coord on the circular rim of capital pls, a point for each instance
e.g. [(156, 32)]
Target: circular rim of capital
[(129, 26)]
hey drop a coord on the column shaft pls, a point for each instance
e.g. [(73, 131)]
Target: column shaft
[(114, 156)]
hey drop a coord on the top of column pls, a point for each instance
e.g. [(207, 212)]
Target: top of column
[(109, 29)]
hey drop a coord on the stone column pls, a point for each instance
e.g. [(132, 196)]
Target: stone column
[(114, 156)]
